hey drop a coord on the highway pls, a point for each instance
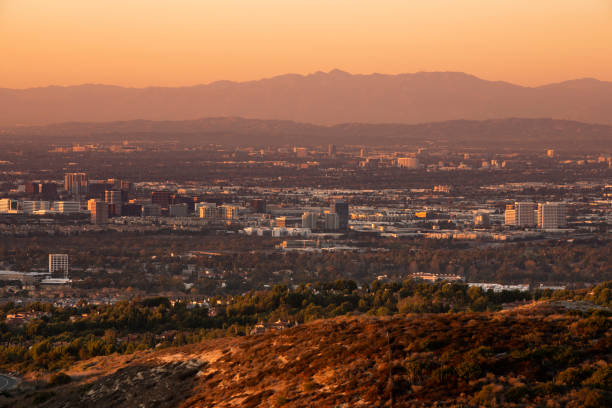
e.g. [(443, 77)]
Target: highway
[(6, 383)]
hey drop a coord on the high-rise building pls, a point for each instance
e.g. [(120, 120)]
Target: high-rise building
[(161, 198), (332, 221), (341, 208), (114, 198), (552, 215), (259, 205), (522, 214), (59, 263), (510, 215), (98, 210), (76, 184), (331, 151), (309, 220), (48, 191)]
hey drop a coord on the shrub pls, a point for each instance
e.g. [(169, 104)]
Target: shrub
[(59, 379)]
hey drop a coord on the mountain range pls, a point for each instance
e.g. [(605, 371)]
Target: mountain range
[(321, 98), (494, 133)]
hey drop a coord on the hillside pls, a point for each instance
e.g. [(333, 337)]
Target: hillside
[(321, 98), (516, 132), (535, 356)]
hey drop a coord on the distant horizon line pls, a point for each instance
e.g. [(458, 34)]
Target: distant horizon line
[(334, 71)]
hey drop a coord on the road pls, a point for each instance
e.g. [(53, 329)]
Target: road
[(6, 383)]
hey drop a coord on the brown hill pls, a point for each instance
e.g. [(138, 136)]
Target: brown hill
[(534, 133), (535, 358), (321, 98)]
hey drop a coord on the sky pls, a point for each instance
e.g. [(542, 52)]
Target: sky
[(140, 43)]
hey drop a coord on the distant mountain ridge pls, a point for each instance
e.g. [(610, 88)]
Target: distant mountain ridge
[(515, 132), (320, 98)]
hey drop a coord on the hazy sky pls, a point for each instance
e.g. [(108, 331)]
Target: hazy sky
[(185, 42)]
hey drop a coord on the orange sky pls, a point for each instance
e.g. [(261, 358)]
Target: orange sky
[(184, 42)]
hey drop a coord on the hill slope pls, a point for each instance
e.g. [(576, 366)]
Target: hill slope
[(321, 98), (471, 359), (538, 133)]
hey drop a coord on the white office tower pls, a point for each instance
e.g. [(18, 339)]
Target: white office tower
[(58, 263), (309, 220), (29, 207), (526, 214), (552, 215)]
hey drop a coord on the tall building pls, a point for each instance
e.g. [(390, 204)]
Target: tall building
[(259, 205), (510, 215), (114, 198), (76, 184), (161, 198), (309, 220), (552, 215), (98, 210), (332, 221), (341, 208), (526, 214), (521, 214), (331, 151), (58, 263)]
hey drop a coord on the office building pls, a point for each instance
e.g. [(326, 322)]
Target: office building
[(151, 210), (98, 210), (161, 198), (67, 207), (30, 207), (331, 151), (225, 212), (408, 162), (76, 184), (280, 222), (59, 263), (481, 219), (8, 206), (178, 210), (258, 205), (114, 199), (522, 214), (309, 220), (341, 208), (552, 215), (332, 221), (131, 210)]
